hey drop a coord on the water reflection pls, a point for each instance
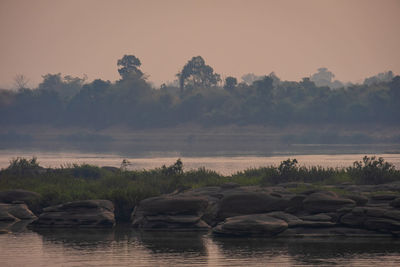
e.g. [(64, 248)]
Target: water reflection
[(310, 251), (124, 246), (173, 242)]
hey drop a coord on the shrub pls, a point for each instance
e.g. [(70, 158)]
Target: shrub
[(373, 171)]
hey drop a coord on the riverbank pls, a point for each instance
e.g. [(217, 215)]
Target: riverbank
[(125, 189)]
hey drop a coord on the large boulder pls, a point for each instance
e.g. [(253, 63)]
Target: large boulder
[(5, 216), (11, 196), (244, 202), (171, 212), (13, 212), (395, 203), (326, 201), (86, 213), (373, 218), (251, 225)]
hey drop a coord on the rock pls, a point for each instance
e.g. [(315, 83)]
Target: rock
[(10, 196), (321, 217), (242, 203), (359, 199), (295, 204), (382, 224), (325, 201), (5, 216), (294, 221), (295, 185), (386, 197), (352, 220), (290, 219), (86, 213), (173, 205), (12, 212), (251, 225), (20, 211), (392, 214), (171, 212), (395, 203), (315, 224), (229, 185)]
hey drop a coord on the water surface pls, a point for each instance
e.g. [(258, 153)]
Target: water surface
[(129, 247), (223, 164)]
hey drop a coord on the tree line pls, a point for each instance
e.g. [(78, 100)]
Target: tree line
[(200, 96)]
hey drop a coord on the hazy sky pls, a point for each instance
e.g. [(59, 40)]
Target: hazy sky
[(353, 39)]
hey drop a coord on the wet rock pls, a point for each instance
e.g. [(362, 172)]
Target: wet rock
[(251, 225), (12, 212), (86, 213), (325, 201), (178, 212)]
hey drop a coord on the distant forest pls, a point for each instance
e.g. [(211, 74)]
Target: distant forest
[(200, 96)]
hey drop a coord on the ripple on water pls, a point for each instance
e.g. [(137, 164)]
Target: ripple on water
[(124, 246)]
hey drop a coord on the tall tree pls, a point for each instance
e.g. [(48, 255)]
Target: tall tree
[(197, 74), (230, 83), (129, 64)]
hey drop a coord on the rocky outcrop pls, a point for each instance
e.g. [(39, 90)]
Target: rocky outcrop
[(373, 218), (251, 225), (15, 212), (171, 212), (273, 211), (326, 201), (11, 196), (87, 213), (242, 203)]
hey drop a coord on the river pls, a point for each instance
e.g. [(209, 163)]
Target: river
[(124, 246), (223, 164)]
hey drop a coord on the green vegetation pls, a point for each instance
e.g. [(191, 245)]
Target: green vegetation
[(126, 188), (199, 96)]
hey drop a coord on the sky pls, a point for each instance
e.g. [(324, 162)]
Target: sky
[(354, 39)]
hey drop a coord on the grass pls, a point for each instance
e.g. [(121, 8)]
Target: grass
[(127, 188)]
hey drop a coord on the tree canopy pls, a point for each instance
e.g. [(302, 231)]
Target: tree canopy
[(200, 99), (197, 74)]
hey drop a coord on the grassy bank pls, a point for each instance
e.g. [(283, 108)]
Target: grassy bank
[(126, 188)]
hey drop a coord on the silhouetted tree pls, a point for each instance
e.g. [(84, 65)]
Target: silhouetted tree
[(230, 83), (129, 64), (197, 74)]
